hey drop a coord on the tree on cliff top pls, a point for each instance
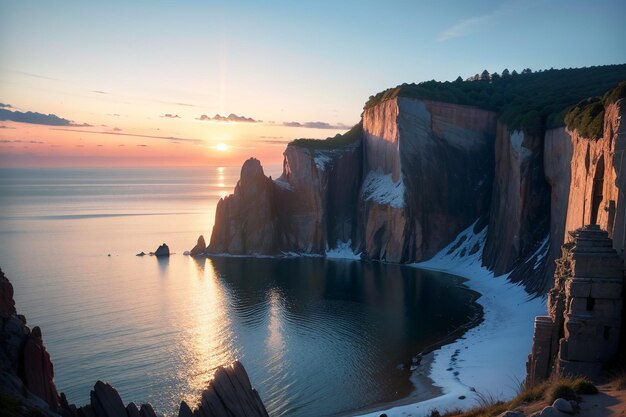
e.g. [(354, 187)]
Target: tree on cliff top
[(531, 101)]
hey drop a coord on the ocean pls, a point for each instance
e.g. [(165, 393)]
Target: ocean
[(317, 336)]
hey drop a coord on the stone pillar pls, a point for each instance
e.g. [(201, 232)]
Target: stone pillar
[(593, 304), (582, 330), (539, 365)]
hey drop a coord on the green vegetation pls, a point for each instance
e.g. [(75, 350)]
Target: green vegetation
[(588, 115), (544, 393), (337, 141), (530, 101)]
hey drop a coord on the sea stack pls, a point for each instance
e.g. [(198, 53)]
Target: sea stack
[(200, 247), (162, 250)]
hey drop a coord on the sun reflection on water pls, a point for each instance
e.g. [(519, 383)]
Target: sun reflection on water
[(209, 340)]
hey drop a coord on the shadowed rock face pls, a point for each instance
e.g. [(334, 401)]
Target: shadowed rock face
[(7, 304), (26, 370), (245, 222), (162, 250), (199, 249), (26, 375), (421, 173), (307, 210), (520, 204)]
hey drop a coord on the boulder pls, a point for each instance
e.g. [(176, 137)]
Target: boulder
[(146, 410), (106, 402), (200, 247), (184, 410), (132, 410), (141, 254), (563, 405), (162, 250), (550, 411)]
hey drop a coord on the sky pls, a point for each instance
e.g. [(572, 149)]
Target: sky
[(140, 83)]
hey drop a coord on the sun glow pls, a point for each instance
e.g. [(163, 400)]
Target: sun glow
[(222, 147)]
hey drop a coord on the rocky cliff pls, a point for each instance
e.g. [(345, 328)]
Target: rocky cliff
[(421, 171), (27, 385)]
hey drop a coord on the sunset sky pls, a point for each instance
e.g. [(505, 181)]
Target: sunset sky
[(139, 83)]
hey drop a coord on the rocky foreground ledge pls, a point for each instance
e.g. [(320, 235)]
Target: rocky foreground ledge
[(27, 385)]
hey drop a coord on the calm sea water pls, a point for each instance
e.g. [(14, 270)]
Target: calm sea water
[(318, 337)]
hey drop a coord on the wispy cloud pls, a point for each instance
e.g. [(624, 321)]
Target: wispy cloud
[(317, 125), (472, 24), (35, 142), (274, 142), (36, 75), (37, 118), (136, 135), (464, 27), (99, 92), (230, 118), (170, 116)]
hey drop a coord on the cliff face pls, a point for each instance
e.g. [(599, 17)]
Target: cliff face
[(245, 222), (598, 179), (422, 172), (429, 170), (310, 208), (519, 214)]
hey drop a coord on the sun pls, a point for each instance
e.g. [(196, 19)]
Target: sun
[(222, 147)]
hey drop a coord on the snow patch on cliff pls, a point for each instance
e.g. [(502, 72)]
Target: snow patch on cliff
[(343, 250), (489, 360), (321, 159), (283, 184), (381, 188)]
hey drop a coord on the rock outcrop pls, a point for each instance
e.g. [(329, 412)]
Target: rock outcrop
[(245, 222), (200, 247), (229, 393), (162, 250), (26, 371), (27, 376)]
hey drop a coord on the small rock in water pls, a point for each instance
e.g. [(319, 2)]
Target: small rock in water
[(162, 250), (186, 253), (200, 247), (109, 254), (141, 254)]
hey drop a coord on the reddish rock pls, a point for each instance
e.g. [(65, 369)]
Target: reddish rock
[(7, 304), (245, 222), (38, 370)]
